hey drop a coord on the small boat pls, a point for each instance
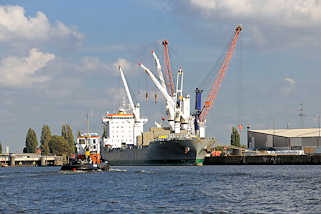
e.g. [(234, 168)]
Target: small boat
[(77, 165), (87, 157)]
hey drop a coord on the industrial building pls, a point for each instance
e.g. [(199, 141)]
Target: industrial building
[(285, 139)]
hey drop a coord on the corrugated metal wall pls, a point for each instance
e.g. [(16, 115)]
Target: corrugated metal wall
[(281, 142), (261, 140), (257, 139)]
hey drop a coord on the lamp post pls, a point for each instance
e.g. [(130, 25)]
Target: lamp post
[(319, 130)]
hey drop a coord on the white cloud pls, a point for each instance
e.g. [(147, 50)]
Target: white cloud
[(289, 87), (290, 81), (293, 13), (123, 63), (23, 71), (14, 25), (266, 24), (89, 64), (94, 64)]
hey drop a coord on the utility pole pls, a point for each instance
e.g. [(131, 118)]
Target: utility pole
[(301, 115), (273, 133), (319, 130)]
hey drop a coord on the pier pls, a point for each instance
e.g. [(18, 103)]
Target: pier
[(30, 159), (308, 159)]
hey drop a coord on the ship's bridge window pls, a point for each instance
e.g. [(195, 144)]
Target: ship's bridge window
[(94, 141), (82, 141)]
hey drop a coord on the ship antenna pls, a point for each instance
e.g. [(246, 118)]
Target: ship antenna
[(88, 124)]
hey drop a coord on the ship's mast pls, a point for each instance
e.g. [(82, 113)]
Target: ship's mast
[(88, 124)]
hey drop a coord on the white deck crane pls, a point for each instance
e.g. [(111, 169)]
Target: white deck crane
[(139, 122), (159, 70), (177, 106), (177, 114), (170, 104), (131, 103)]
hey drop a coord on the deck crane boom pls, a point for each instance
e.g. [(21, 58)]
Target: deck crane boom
[(218, 81), (131, 103), (139, 122), (159, 69), (158, 85), (169, 100), (168, 71)]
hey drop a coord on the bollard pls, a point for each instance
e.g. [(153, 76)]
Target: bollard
[(43, 161), (12, 160)]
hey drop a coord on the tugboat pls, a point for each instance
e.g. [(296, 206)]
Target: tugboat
[(87, 157)]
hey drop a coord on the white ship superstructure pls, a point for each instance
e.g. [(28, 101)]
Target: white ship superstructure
[(123, 128), (88, 146), (88, 142)]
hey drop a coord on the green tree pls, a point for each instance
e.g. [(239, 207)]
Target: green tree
[(31, 142), (59, 146), (66, 132), (45, 137), (78, 134), (0, 148), (235, 137)]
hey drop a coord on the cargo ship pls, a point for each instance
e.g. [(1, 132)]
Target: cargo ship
[(183, 140), (174, 150), (159, 146), (127, 144)]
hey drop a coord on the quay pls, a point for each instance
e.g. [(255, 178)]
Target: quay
[(30, 159), (308, 159)]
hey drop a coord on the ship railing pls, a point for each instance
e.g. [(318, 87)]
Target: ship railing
[(174, 137)]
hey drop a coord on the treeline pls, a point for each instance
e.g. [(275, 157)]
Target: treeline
[(51, 144)]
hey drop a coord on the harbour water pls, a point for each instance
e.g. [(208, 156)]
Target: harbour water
[(170, 189)]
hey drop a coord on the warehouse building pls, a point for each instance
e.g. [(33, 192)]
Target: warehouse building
[(285, 139)]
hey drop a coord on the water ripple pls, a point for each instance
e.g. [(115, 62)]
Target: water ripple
[(208, 189)]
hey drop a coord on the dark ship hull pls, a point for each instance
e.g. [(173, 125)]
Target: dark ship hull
[(175, 151), (88, 167)]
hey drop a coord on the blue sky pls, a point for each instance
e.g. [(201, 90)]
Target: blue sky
[(57, 61)]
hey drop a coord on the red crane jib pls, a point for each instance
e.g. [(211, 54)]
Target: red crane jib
[(168, 71), (218, 81)]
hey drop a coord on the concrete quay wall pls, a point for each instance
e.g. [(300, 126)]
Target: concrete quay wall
[(263, 160), (30, 159)]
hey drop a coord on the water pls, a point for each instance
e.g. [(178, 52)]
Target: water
[(207, 189)]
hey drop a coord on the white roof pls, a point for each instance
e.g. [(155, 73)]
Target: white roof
[(311, 132)]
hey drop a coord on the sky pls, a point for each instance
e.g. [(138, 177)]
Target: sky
[(58, 62)]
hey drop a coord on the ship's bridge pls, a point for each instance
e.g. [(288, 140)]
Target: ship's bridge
[(88, 141), (120, 129)]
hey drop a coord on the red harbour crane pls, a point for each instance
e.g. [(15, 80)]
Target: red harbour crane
[(168, 71), (218, 81)]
